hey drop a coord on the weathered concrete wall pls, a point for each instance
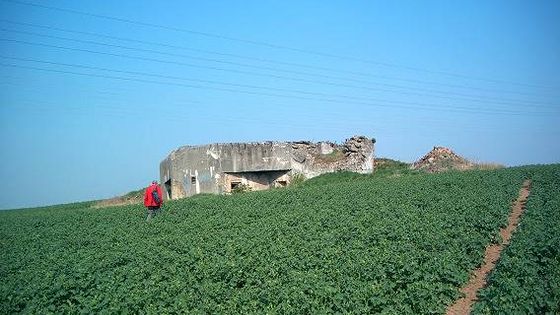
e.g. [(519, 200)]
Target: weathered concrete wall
[(313, 159), (201, 168), (211, 168)]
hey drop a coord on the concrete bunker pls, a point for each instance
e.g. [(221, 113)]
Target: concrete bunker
[(221, 167)]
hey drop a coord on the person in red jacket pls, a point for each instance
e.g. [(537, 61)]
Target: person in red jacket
[(153, 199)]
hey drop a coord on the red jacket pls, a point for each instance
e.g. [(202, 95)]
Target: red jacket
[(149, 199)]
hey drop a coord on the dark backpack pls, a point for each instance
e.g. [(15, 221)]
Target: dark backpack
[(155, 196)]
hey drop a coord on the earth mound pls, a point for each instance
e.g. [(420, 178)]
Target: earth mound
[(441, 159), (131, 198)]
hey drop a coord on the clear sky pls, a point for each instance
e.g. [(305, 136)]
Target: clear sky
[(94, 94)]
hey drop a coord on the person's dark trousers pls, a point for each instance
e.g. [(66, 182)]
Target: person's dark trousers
[(152, 212)]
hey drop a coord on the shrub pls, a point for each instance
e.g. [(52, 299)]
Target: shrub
[(297, 179), (241, 188)]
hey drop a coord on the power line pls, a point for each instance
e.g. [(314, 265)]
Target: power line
[(174, 116), (270, 45), (113, 111), (332, 121), (219, 82), (413, 105), (259, 59), (336, 114), (464, 96), (211, 81), (245, 72)]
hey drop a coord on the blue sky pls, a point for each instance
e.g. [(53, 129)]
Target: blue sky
[(94, 94)]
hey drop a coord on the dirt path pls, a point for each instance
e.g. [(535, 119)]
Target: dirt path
[(491, 256)]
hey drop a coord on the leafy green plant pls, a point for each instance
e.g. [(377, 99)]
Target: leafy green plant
[(297, 179), (241, 188), (527, 277), (389, 245)]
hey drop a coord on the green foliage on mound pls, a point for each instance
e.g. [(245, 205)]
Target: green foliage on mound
[(135, 193), (383, 168), (241, 188), (385, 163), (339, 177), (527, 278), (392, 245)]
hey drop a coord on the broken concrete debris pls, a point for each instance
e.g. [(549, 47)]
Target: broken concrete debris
[(442, 159)]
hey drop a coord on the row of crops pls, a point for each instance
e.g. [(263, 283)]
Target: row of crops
[(366, 244), (527, 278)]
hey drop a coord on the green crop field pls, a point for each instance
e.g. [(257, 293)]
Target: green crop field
[(392, 244), (527, 278)]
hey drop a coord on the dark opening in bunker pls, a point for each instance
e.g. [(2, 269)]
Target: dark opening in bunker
[(234, 185), (193, 180), (167, 186), (256, 180), (281, 183)]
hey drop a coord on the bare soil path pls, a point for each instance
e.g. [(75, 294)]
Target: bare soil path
[(478, 278)]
